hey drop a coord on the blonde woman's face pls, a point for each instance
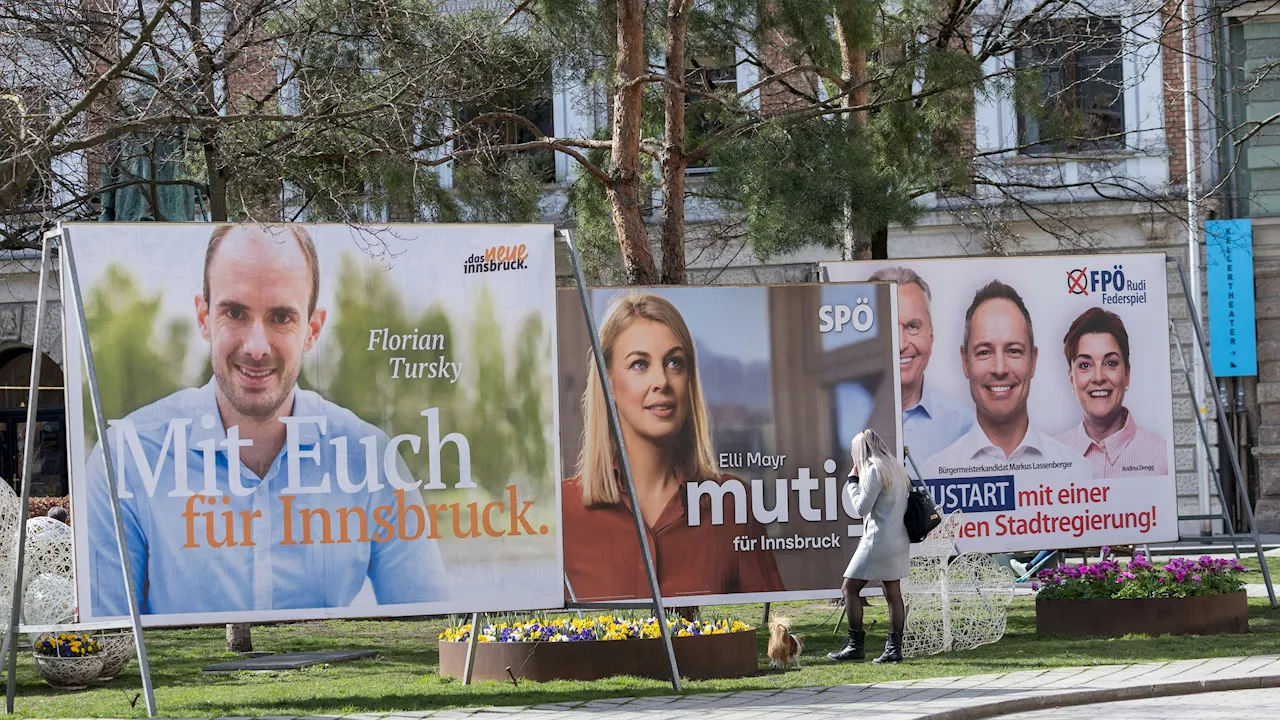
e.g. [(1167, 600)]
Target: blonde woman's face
[(650, 378)]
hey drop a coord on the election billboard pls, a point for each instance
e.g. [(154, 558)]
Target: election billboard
[(736, 406), (313, 421), (1037, 395)]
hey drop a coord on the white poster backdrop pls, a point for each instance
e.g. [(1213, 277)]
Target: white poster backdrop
[(1047, 494), (465, 513)]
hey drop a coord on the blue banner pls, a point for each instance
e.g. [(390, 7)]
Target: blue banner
[(973, 495), (1233, 347)]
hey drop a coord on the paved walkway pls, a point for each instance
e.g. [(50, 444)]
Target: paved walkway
[(1234, 705), (954, 698)]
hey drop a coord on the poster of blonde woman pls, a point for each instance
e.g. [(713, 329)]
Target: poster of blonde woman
[(1037, 394), (314, 421), (736, 406)]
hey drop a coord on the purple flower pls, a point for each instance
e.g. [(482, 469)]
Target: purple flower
[(1035, 586), (1195, 578), (1106, 550)]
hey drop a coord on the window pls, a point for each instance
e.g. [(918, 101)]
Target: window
[(710, 70), (1070, 86), (533, 102), (1252, 99), (143, 181)]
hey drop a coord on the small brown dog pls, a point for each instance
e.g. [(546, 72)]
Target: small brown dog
[(784, 648)]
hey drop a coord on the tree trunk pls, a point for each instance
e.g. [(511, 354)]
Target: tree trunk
[(673, 157), (624, 187), (11, 191), (206, 105), (239, 637), (853, 66), (217, 183)]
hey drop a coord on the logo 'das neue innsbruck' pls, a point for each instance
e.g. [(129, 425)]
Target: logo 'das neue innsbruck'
[(496, 258)]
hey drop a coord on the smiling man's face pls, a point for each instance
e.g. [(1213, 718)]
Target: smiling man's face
[(915, 339), (257, 321), (999, 360)]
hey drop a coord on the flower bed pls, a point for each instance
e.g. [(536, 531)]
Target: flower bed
[(600, 647), (1110, 599)]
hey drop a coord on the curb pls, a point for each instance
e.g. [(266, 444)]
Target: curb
[(1071, 698)]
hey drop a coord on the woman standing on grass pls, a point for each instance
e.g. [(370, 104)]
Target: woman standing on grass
[(879, 493)]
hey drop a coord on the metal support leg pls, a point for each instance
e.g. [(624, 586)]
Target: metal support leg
[(659, 611), (113, 486), (1204, 437), (28, 447), (472, 642), (1222, 422)]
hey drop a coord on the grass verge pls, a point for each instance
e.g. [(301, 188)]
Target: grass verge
[(405, 675)]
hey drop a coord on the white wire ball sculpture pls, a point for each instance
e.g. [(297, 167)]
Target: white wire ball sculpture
[(923, 591), (117, 649), (49, 600), (69, 673), (980, 592), (954, 605), (49, 549), (10, 512)]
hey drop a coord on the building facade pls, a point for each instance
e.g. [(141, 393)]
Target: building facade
[(1123, 191)]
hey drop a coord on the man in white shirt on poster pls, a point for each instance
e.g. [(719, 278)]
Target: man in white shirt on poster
[(931, 420), (999, 360)]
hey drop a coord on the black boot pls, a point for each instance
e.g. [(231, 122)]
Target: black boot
[(854, 647), (892, 649)]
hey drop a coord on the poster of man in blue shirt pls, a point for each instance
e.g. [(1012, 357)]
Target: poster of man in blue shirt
[(931, 419), (254, 497), (247, 540)]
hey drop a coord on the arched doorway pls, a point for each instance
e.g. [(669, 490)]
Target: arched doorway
[(50, 468)]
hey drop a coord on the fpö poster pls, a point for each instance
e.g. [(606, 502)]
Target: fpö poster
[(736, 406), (315, 421), (1037, 396)]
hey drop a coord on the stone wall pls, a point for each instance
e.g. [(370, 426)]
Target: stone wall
[(19, 285)]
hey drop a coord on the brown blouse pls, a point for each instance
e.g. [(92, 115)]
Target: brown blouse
[(603, 561)]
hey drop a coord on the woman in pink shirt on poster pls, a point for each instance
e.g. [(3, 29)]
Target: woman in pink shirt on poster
[(1097, 350)]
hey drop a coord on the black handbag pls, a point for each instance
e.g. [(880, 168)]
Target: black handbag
[(922, 514)]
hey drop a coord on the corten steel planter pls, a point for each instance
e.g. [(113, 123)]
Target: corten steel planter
[(701, 657), (1111, 617)]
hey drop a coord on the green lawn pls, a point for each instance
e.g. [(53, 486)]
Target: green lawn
[(1249, 559), (405, 678)]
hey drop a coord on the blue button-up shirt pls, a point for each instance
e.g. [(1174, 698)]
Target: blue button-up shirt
[(932, 424), (268, 574)]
